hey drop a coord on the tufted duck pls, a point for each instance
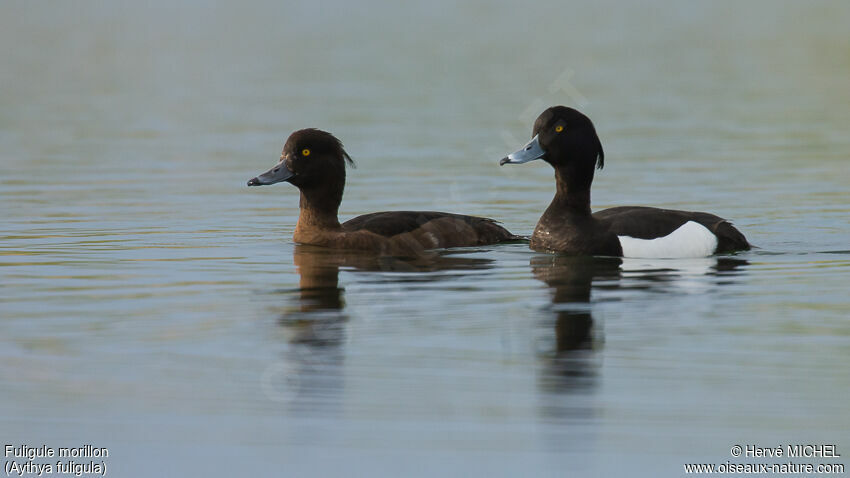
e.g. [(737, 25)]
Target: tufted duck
[(314, 161), (566, 139)]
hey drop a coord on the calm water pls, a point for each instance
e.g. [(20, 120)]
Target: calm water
[(153, 304)]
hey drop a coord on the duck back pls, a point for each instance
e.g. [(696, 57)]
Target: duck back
[(648, 223), (431, 229)]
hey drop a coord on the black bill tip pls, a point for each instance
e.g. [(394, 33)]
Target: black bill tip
[(254, 182), (502, 162)]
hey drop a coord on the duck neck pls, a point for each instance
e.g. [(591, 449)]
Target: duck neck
[(319, 209), (572, 192)]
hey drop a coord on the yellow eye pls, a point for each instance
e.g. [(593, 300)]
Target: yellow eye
[(305, 152), (559, 128)]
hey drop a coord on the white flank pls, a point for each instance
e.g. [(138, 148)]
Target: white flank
[(691, 239)]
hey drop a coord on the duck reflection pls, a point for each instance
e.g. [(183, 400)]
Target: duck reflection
[(567, 361), (309, 377), (315, 318), (318, 311), (316, 315), (570, 370), (572, 278)]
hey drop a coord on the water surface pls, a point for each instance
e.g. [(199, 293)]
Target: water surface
[(153, 304)]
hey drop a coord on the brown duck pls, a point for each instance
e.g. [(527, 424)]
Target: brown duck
[(314, 161)]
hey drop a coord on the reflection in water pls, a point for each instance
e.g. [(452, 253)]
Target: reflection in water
[(570, 279), (567, 378), (570, 367), (310, 375), (317, 317), (660, 274), (569, 364)]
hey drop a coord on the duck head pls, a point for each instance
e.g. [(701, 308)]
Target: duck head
[(564, 138), (311, 159)]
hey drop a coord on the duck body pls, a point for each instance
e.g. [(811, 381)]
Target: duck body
[(314, 161), (638, 231), (567, 140), (405, 233), (433, 229)]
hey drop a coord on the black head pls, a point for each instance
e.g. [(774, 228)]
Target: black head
[(311, 159), (561, 136)]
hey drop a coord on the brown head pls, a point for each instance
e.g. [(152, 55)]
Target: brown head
[(314, 161)]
